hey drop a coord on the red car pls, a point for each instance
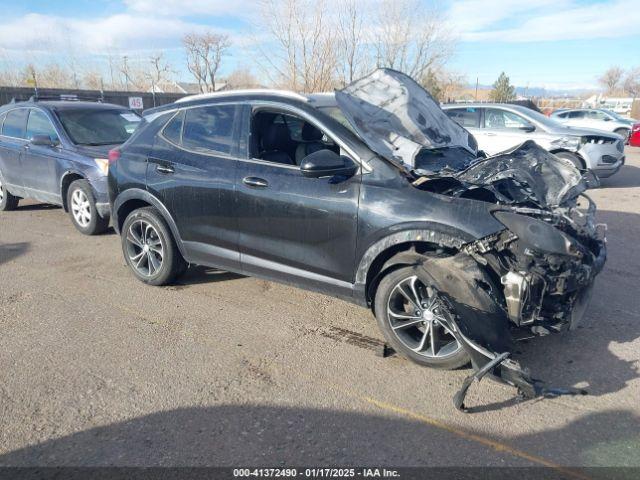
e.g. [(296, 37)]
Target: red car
[(634, 136)]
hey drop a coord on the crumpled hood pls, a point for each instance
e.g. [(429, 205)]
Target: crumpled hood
[(527, 173), (397, 118)]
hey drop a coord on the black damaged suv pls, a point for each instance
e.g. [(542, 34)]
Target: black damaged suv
[(373, 195)]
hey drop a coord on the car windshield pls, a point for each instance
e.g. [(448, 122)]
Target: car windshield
[(336, 114), (614, 115), (540, 118), (98, 126)]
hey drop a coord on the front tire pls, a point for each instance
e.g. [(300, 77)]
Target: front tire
[(149, 248), (577, 162), (82, 209), (408, 313), (7, 201)]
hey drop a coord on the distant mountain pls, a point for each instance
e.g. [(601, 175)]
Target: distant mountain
[(543, 92)]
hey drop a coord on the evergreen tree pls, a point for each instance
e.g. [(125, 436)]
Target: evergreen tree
[(502, 91)]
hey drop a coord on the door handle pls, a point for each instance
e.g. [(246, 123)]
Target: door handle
[(491, 134), (255, 182), (164, 169)]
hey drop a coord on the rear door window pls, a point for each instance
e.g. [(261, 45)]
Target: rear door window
[(577, 114), (210, 129), (465, 117), (39, 124), (15, 123)]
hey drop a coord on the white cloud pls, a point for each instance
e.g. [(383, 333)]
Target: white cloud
[(240, 8), (543, 20), (123, 31)]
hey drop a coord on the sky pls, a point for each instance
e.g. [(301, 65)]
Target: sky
[(553, 44)]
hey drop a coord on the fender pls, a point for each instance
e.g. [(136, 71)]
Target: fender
[(139, 194), (442, 235), (452, 238)]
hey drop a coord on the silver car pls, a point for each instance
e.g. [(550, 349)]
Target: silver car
[(500, 127), (599, 119)]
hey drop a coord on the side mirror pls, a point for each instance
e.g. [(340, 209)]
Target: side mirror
[(527, 128), (607, 119), (326, 163), (42, 140)]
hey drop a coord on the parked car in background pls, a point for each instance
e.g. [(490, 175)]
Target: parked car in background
[(56, 152), (373, 195), (634, 137), (598, 119), (499, 127)]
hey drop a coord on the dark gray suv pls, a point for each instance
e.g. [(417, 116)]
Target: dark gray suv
[(373, 195)]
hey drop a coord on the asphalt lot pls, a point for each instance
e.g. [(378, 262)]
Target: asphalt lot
[(99, 369)]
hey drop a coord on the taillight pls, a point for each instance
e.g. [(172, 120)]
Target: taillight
[(114, 156)]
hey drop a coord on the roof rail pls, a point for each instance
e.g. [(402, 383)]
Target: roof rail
[(67, 97), (229, 93)]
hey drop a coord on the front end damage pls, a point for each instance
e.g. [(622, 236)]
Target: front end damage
[(539, 270), (534, 275)]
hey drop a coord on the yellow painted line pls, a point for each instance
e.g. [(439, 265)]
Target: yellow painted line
[(473, 437), (497, 446)]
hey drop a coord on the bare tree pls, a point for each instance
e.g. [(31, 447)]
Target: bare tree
[(303, 55), (632, 82), (205, 52), (160, 71), (442, 84), (354, 58), (611, 79), (242, 78), (55, 75), (411, 37), (92, 80)]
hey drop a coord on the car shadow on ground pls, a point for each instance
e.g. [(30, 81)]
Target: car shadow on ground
[(36, 206), (627, 177), (197, 274), (259, 435), (9, 251)]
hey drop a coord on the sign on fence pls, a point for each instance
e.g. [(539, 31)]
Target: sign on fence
[(135, 103)]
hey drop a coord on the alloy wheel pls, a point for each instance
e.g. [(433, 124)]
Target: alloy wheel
[(144, 248), (419, 321), (81, 208), (1, 192)]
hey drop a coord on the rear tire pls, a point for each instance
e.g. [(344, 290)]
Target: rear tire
[(82, 209), (7, 201), (149, 247)]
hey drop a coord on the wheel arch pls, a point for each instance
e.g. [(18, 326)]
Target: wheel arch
[(575, 154), (67, 179), (402, 249), (136, 198)]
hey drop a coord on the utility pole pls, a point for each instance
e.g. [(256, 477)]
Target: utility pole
[(126, 72), (476, 97)]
